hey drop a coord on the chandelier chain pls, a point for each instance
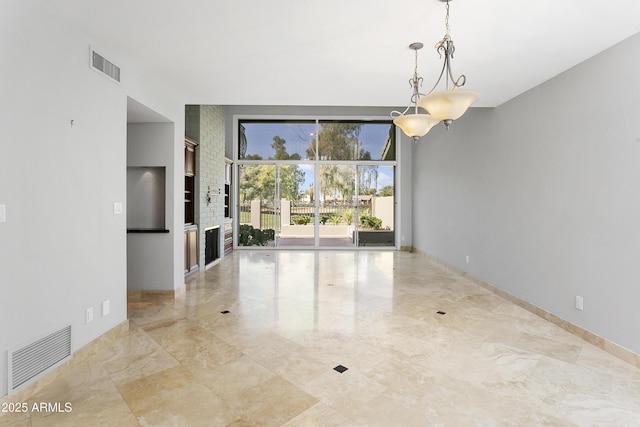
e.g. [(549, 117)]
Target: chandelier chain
[(415, 83), (415, 69), (446, 20), (446, 48)]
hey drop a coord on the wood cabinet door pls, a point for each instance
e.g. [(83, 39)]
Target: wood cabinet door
[(186, 253), (189, 160), (193, 249), (190, 250)]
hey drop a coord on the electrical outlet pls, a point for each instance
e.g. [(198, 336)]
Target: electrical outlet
[(117, 208), (579, 303), (467, 259), (88, 315), (106, 307)]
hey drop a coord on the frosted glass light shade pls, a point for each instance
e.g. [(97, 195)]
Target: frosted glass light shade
[(415, 125), (448, 104)]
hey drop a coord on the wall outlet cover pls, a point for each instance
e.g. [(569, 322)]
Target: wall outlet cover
[(88, 315), (106, 307), (117, 208)]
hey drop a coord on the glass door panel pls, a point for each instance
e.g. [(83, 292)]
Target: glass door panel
[(297, 209), (337, 205), (376, 205), (258, 211)]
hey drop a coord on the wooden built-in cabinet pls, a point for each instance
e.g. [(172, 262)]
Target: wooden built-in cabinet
[(190, 204), (228, 240), (190, 249), (189, 180), (190, 156)]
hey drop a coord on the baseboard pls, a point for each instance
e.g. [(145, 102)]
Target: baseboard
[(612, 348), (213, 263), (79, 356), (143, 295)]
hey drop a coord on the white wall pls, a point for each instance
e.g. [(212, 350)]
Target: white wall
[(62, 249), (543, 194)]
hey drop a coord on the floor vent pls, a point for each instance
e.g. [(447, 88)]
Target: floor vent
[(33, 359), (100, 63)]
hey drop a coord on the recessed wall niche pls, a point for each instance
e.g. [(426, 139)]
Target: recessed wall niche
[(146, 188)]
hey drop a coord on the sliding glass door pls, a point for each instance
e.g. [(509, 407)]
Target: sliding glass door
[(316, 184)]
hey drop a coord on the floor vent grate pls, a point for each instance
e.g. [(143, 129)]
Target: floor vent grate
[(33, 359)]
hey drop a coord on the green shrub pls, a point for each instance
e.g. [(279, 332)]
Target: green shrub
[(324, 218), (250, 236), (335, 219), (370, 222), (301, 219), (347, 216)]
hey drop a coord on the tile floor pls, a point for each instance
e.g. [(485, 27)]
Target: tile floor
[(293, 316)]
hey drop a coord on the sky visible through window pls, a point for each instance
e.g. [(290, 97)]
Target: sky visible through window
[(300, 134), (385, 177), (260, 137)]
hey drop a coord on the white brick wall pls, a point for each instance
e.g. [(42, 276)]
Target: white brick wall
[(206, 124)]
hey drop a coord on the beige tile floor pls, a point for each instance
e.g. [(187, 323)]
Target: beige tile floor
[(295, 315)]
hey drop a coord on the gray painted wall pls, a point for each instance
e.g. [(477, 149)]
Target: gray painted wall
[(403, 179), (62, 248), (543, 194)]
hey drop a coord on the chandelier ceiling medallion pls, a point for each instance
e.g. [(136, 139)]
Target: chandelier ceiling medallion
[(440, 106)]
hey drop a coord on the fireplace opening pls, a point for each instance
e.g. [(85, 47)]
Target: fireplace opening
[(211, 245)]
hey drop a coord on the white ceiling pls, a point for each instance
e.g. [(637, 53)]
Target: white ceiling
[(346, 52)]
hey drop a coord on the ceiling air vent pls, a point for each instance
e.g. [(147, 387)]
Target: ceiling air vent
[(108, 68)]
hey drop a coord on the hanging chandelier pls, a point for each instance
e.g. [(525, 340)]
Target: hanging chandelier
[(416, 124), (441, 106)]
